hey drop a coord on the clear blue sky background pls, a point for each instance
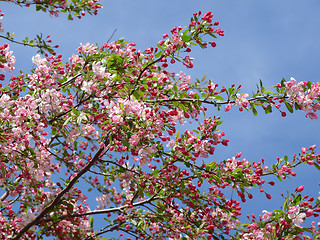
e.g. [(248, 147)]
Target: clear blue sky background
[(264, 40)]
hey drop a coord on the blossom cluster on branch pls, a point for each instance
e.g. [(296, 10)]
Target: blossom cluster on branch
[(108, 120)]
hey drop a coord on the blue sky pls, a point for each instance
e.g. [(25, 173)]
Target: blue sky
[(264, 40)]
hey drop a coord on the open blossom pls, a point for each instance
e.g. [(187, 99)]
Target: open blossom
[(73, 135), (267, 215), (38, 60), (134, 139), (100, 71), (242, 100), (298, 94), (87, 86), (103, 201), (90, 131), (177, 40), (26, 217), (87, 48), (295, 215)]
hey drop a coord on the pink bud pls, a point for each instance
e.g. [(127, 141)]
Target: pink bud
[(102, 145), (300, 189), (228, 107), (309, 213)]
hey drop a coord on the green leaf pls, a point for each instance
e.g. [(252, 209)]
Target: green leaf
[(67, 121), (268, 91), (54, 144), (317, 166), (91, 221), (55, 217), (268, 109), (155, 172), (213, 164), (196, 96), (140, 190), (280, 178), (231, 91), (289, 107), (186, 38), (204, 77), (112, 178), (158, 55), (285, 204), (212, 35), (182, 107), (136, 95), (125, 143), (309, 84), (254, 111), (297, 200), (218, 97)]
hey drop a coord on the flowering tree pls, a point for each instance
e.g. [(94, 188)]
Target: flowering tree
[(108, 120)]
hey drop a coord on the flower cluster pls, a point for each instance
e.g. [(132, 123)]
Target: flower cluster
[(7, 60), (303, 94), (109, 120)]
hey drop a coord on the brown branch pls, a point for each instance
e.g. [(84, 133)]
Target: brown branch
[(143, 70), (60, 194), (204, 101), (64, 113), (21, 43), (6, 194), (95, 212)]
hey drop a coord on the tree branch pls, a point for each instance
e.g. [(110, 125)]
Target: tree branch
[(60, 195), (95, 212)]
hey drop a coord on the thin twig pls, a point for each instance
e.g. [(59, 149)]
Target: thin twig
[(111, 36)]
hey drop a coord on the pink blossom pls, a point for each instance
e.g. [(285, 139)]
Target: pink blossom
[(187, 61), (87, 48), (134, 139), (227, 107), (177, 40), (297, 218), (267, 215), (242, 100)]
